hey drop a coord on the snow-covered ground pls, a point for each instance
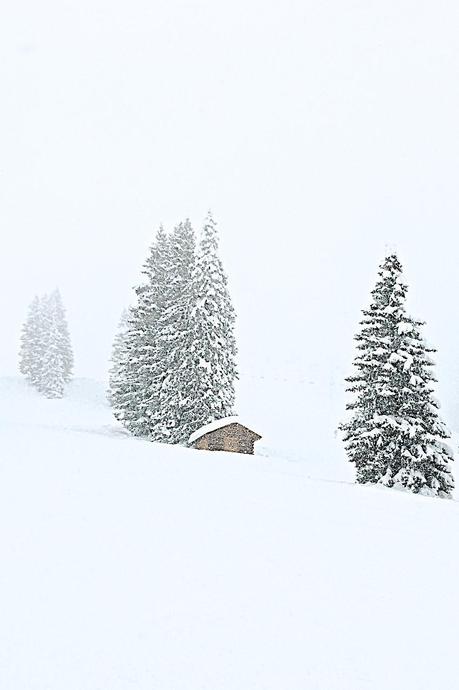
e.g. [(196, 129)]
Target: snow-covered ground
[(127, 564), (298, 419)]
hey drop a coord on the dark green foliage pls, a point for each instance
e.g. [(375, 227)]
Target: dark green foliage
[(395, 436)]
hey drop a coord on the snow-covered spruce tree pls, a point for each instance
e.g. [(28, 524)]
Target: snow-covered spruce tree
[(57, 313), (46, 357), (28, 355), (34, 341), (197, 330), (135, 380), (116, 358), (51, 378), (394, 435), (177, 377), (214, 351), (175, 367)]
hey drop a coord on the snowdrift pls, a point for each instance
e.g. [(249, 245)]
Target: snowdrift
[(127, 564)]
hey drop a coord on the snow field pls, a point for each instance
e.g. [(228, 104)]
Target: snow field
[(128, 564)]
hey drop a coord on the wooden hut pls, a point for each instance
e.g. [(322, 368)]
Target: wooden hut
[(225, 434)]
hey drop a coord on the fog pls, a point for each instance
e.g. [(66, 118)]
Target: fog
[(319, 133)]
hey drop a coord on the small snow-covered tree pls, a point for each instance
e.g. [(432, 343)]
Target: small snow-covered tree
[(52, 367), (62, 334), (30, 342), (394, 435), (46, 357), (116, 358), (34, 341)]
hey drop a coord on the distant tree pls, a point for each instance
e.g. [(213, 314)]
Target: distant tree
[(46, 358), (30, 339), (116, 359), (394, 435), (52, 367), (62, 334)]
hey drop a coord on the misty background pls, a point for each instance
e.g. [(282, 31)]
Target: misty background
[(319, 133)]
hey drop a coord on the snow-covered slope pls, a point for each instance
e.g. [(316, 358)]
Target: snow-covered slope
[(297, 418), (127, 564)]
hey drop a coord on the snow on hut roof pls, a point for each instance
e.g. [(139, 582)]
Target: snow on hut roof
[(213, 426)]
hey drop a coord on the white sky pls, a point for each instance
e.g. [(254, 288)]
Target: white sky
[(317, 131)]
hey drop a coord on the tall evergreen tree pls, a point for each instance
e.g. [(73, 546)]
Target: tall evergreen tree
[(176, 377), (30, 341), (215, 343), (135, 383), (199, 341), (394, 435), (175, 370)]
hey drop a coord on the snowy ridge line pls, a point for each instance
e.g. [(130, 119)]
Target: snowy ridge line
[(102, 430)]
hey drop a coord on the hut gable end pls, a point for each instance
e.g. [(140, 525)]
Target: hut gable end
[(225, 435)]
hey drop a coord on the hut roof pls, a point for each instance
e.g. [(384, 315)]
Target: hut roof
[(214, 426)]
